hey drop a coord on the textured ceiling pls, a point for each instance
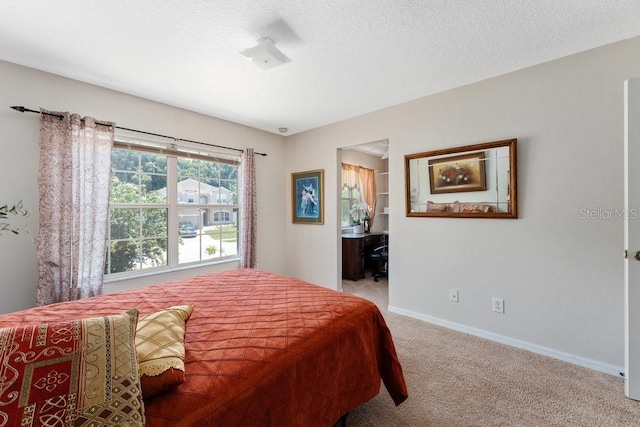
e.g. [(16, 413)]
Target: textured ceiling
[(349, 57)]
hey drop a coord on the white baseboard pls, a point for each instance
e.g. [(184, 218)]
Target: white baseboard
[(566, 357)]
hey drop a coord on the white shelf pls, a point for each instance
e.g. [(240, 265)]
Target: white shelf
[(382, 196)]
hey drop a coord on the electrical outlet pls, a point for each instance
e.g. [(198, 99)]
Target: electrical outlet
[(453, 295), (498, 305)]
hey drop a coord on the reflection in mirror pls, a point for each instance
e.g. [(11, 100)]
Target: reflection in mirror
[(474, 181)]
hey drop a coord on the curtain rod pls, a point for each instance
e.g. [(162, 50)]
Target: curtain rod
[(28, 110)]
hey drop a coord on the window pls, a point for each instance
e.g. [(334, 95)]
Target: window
[(359, 185), (163, 211), (222, 216), (350, 195)]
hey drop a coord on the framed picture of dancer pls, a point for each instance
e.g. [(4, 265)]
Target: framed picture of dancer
[(307, 197)]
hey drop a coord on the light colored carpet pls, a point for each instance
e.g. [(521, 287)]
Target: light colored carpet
[(455, 379)]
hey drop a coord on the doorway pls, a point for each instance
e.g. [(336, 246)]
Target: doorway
[(356, 267)]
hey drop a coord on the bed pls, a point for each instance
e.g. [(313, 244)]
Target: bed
[(260, 349)]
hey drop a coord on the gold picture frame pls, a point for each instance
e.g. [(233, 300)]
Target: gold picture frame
[(498, 200), (307, 197), (456, 174)]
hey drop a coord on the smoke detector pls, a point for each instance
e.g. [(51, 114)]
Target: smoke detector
[(265, 55)]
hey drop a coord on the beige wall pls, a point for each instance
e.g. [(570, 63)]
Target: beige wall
[(19, 167), (561, 276), (358, 158)]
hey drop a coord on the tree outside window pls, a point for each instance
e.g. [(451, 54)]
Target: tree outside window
[(139, 237)]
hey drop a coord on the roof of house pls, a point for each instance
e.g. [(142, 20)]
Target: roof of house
[(193, 185)]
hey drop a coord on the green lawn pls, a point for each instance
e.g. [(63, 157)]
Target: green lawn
[(226, 233)]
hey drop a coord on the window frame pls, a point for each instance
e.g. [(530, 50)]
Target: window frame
[(351, 200), (173, 206)]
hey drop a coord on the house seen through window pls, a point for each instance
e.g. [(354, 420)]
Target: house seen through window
[(167, 211)]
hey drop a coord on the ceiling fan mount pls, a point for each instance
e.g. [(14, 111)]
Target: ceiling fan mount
[(265, 54)]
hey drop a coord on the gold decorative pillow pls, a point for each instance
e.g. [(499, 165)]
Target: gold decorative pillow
[(437, 207), (454, 206), (160, 348), (76, 373), (476, 207)]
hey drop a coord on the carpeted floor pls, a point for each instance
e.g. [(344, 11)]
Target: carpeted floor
[(455, 379)]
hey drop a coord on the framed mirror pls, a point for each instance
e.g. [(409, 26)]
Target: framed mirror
[(473, 181)]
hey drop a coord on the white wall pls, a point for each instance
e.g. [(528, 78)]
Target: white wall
[(19, 167), (561, 276)]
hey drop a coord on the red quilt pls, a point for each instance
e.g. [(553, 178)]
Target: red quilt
[(261, 349)]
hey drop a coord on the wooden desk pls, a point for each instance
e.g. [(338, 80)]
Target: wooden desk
[(355, 247)]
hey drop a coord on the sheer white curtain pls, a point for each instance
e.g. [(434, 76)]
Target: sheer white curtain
[(74, 174), (248, 224)]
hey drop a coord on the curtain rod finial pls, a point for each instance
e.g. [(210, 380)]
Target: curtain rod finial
[(18, 108)]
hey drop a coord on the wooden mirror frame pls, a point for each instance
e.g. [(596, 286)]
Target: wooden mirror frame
[(512, 202)]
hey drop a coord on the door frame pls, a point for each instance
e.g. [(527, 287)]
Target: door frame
[(632, 238)]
